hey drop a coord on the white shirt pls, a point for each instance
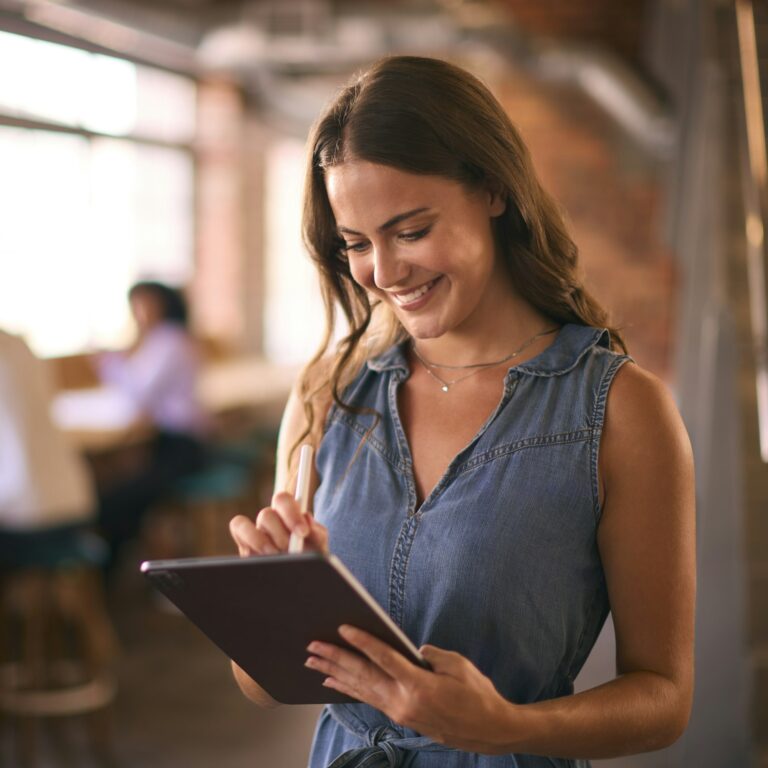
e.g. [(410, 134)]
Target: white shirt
[(43, 480)]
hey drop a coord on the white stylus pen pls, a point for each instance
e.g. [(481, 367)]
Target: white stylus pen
[(296, 542)]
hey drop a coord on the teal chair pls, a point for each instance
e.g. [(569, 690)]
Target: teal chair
[(228, 484)]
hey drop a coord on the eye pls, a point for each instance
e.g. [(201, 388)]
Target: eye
[(410, 237), (360, 247)]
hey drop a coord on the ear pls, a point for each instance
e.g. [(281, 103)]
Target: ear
[(498, 204), (497, 201)]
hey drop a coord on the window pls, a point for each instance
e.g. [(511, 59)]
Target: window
[(96, 190), (294, 319)]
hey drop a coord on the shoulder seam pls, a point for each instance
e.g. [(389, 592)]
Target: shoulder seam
[(598, 420)]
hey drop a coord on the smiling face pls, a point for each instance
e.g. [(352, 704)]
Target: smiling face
[(423, 245)]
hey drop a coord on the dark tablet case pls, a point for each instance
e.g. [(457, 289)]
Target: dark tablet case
[(264, 611)]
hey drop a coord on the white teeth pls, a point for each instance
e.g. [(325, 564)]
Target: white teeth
[(407, 298)]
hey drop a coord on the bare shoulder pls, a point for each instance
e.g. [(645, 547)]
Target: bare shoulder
[(640, 404), (643, 434)]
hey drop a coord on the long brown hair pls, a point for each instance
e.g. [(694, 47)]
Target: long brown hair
[(426, 116)]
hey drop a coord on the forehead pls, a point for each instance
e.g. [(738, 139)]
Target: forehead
[(145, 300), (364, 193)]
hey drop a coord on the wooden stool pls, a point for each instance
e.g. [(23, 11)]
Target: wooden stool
[(195, 519), (193, 523), (57, 647)]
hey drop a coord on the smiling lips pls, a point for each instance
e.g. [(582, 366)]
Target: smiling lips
[(404, 299)]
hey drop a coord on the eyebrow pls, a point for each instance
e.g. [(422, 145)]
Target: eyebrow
[(389, 223)]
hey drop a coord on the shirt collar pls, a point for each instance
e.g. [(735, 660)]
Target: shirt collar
[(565, 352), (390, 360), (570, 345)]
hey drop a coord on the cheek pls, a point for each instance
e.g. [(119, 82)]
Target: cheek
[(475, 251), (362, 272)]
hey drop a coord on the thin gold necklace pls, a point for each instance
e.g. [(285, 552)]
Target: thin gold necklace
[(446, 385)]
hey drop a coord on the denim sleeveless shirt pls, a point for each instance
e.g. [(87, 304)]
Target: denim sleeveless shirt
[(499, 563)]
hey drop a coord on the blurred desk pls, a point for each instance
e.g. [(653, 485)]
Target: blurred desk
[(247, 383), (100, 419)]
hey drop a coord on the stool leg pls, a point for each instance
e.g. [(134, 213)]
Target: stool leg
[(100, 651), (60, 742), (165, 534), (36, 611), (81, 596), (206, 528), (101, 734), (25, 742)]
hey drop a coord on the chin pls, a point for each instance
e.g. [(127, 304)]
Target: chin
[(418, 331)]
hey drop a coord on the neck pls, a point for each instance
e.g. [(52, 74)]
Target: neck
[(491, 363), (476, 344)]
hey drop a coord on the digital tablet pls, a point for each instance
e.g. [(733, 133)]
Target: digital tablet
[(262, 612)]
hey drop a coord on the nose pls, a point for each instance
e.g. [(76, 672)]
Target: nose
[(388, 269)]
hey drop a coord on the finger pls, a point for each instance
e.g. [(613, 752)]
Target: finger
[(382, 655), (272, 524), (360, 677), (290, 512), (237, 530), (338, 660), (337, 685), (326, 667), (318, 536), (250, 540), (444, 662)]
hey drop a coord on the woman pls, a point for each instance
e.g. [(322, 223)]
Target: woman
[(159, 376), (491, 464)]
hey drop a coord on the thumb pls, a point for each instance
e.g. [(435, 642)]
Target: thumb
[(318, 535)]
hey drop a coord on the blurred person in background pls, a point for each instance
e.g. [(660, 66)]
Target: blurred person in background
[(159, 375), (46, 493)]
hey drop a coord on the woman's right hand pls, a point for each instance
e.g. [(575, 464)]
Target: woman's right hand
[(270, 532)]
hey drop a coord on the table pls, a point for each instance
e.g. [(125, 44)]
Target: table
[(99, 419), (246, 383)]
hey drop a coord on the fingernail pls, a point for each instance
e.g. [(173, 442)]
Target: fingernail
[(270, 550), (345, 630), (313, 647)]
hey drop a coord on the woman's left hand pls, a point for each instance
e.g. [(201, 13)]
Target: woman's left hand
[(453, 704)]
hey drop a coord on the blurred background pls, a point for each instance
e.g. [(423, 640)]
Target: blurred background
[(164, 140)]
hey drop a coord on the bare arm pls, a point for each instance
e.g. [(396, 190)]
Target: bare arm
[(252, 690), (647, 545), (646, 540)]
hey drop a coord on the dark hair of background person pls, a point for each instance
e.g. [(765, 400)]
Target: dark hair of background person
[(172, 302), (426, 116)]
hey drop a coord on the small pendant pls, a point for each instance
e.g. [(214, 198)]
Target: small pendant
[(444, 387)]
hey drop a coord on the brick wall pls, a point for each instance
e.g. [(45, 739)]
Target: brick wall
[(619, 26), (611, 194)]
